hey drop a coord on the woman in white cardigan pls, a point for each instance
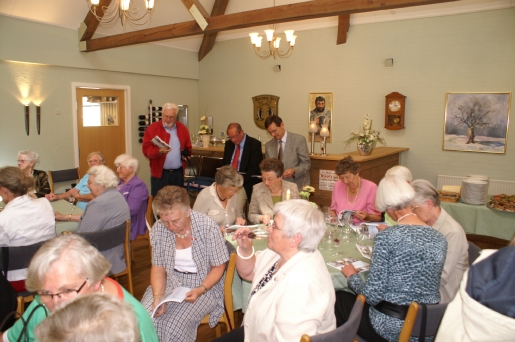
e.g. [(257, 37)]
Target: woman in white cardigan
[(292, 292)]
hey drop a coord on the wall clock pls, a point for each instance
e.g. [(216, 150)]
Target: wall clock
[(394, 111)]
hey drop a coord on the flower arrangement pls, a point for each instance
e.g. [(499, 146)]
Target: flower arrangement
[(204, 128), (366, 136), (306, 192)]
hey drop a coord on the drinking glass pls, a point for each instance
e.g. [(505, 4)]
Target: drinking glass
[(71, 199), (366, 242), (336, 240)]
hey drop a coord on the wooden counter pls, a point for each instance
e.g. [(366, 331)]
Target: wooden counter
[(373, 167)]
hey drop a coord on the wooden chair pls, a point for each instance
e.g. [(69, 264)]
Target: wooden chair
[(110, 238), (19, 258), (413, 322), (150, 220), (344, 333), (487, 242), (205, 176), (228, 315), (62, 176), (474, 252)]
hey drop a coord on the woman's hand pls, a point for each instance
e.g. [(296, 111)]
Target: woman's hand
[(245, 244), (240, 221), (61, 217), (192, 296), (51, 196), (361, 215), (265, 219), (349, 270), (332, 213), (381, 227), (162, 308)]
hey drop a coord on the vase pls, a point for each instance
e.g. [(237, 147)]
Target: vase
[(366, 149), (205, 140)]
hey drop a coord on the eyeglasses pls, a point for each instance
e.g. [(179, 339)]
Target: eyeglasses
[(175, 222), (413, 208), (121, 167), (234, 136), (272, 132), (66, 294), (93, 161)]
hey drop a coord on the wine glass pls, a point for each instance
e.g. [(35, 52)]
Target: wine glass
[(71, 199), (336, 241)]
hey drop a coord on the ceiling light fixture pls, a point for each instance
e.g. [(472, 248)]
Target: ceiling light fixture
[(121, 9), (273, 43)]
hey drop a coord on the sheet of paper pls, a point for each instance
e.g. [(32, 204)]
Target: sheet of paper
[(177, 295)]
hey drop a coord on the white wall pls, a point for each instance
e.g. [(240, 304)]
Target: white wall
[(460, 53)]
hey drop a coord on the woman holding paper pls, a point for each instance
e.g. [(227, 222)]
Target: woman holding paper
[(271, 191), (219, 201), (187, 251)]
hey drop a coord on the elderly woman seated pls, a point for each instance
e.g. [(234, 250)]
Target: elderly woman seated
[(64, 268), (219, 201), (407, 261), (98, 317), (135, 192), (354, 193), (292, 291), (24, 220), (402, 172), (27, 160), (108, 209), (426, 205), (271, 191), (189, 251), (81, 191)]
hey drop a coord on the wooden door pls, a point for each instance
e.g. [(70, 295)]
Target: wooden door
[(100, 124)]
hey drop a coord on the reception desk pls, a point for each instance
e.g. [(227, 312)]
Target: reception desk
[(373, 167)]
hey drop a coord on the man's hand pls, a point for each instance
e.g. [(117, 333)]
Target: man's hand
[(164, 150), (288, 173)]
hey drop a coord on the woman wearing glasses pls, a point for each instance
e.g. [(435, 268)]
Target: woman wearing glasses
[(27, 160), (62, 269), (81, 191), (292, 292), (135, 192), (271, 191)]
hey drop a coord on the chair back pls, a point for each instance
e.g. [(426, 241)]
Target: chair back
[(150, 216), (209, 166), (474, 252), (414, 320), (62, 176), (229, 279), (193, 168), (487, 242), (20, 257), (344, 333)]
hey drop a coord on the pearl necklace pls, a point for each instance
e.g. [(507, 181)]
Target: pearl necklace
[(182, 236), (403, 216), (357, 193)]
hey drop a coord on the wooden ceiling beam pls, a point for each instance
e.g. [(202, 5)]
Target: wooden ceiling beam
[(209, 39), (343, 28), (90, 24), (201, 9), (265, 16)]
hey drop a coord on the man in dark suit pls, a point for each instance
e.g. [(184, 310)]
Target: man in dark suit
[(248, 154)]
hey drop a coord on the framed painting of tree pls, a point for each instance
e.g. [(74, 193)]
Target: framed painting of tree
[(477, 122)]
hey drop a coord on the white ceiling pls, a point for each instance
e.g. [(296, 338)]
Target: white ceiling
[(70, 13)]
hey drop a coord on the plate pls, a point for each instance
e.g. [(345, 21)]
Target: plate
[(491, 205)]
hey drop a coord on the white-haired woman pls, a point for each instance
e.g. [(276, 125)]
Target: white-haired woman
[(187, 250), (108, 209), (292, 292), (81, 191), (63, 268), (402, 172), (135, 192), (90, 318), (27, 160), (407, 261), (219, 201)]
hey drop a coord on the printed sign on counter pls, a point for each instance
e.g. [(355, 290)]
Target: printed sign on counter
[(326, 180)]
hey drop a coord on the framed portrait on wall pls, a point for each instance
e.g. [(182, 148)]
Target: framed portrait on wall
[(476, 122), (321, 112)]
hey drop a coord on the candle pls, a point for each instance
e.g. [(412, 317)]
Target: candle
[(288, 194), (312, 127)]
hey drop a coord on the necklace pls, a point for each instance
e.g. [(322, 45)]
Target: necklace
[(220, 198), (403, 216), (182, 236), (357, 193)]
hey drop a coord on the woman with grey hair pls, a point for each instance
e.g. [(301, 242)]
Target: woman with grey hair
[(292, 292), (189, 251), (81, 191), (402, 172), (66, 267), (90, 318), (220, 201), (107, 210), (426, 204), (407, 261), (27, 160), (135, 192)]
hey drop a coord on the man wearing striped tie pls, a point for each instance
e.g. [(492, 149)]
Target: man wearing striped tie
[(244, 153), (291, 149)]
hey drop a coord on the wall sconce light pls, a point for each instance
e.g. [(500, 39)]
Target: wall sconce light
[(312, 129), (38, 119), (27, 117)]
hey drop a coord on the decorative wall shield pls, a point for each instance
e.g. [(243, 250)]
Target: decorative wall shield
[(264, 106)]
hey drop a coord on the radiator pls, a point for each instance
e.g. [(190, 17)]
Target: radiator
[(495, 187)]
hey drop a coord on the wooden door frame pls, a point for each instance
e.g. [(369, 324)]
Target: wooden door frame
[(128, 116)]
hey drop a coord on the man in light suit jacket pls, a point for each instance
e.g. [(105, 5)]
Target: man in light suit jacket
[(294, 153), (250, 157)]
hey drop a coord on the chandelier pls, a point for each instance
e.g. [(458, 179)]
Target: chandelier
[(121, 9), (274, 42)]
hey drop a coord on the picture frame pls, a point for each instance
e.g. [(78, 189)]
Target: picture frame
[(476, 122), (321, 117)]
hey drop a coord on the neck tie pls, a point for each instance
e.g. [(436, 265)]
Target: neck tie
[(280, 154), (236, 158)]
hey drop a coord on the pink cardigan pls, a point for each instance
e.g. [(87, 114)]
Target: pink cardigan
[(365, 202)]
